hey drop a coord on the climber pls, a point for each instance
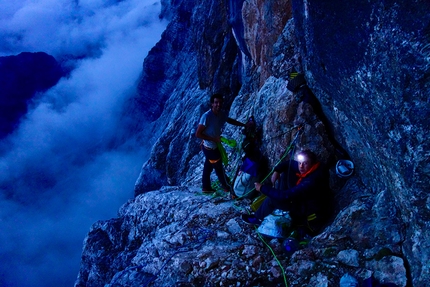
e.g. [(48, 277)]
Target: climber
[(209, 130), (303, 191)]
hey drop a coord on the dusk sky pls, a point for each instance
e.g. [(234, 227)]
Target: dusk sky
[(59, 164)]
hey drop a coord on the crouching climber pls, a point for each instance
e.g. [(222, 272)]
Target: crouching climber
[(303, 191), (209, 130)]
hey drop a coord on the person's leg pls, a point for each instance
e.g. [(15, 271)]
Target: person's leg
[(268, 206), (206, 178), (219, 170), (213, 158), (265, 209), (207, 170)]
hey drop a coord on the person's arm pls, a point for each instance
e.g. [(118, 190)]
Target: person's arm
[(301, 190), (286, 166), (199, 134), (275, 176), (273, 193), (235, 123)]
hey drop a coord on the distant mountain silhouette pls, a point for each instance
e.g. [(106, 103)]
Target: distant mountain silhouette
[(21, 77)]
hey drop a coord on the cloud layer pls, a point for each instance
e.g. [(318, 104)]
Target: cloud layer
[(59, 172)]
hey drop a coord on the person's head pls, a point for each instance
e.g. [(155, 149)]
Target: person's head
[(306, 160), (216, 102)]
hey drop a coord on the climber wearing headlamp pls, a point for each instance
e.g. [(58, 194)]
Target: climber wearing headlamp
[(303, 191)]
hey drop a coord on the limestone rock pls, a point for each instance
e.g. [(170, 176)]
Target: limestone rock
[(349, 257), (367, 70)]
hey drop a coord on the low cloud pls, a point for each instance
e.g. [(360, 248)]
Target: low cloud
[(71, 28), (59, 172)]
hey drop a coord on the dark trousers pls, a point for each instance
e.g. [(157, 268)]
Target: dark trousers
[(212, 155), (268, 206)]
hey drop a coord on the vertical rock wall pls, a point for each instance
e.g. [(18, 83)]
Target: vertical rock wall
[(369, 65), (264, 22)]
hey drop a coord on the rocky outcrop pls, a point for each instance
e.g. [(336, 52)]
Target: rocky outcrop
[(177, 237), (21, 77), (367, 69), (182, 240)]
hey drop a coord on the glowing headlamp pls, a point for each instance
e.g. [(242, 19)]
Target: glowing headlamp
[(300, 158)]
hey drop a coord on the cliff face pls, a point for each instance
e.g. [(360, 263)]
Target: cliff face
[(367, 66)]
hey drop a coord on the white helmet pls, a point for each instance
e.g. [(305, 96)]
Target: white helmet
[(344, 168)]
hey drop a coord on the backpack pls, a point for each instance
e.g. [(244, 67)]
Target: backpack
[(247, 176)]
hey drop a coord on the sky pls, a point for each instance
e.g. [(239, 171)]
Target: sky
[(62, 169)]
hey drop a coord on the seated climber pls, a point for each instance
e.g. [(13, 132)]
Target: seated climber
[(304, 192)]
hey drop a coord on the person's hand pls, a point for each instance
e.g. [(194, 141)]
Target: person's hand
[(258, 186), (275, 177)]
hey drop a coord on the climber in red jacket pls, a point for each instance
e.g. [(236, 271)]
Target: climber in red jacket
[(304, 192)]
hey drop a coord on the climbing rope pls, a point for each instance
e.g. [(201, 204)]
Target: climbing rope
[(204, 234), (233, 169), (286, 132), (274, 255), (270, 248), (291, 147)]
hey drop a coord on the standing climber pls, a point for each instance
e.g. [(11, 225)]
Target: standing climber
[(304, 192), (209, 129)]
